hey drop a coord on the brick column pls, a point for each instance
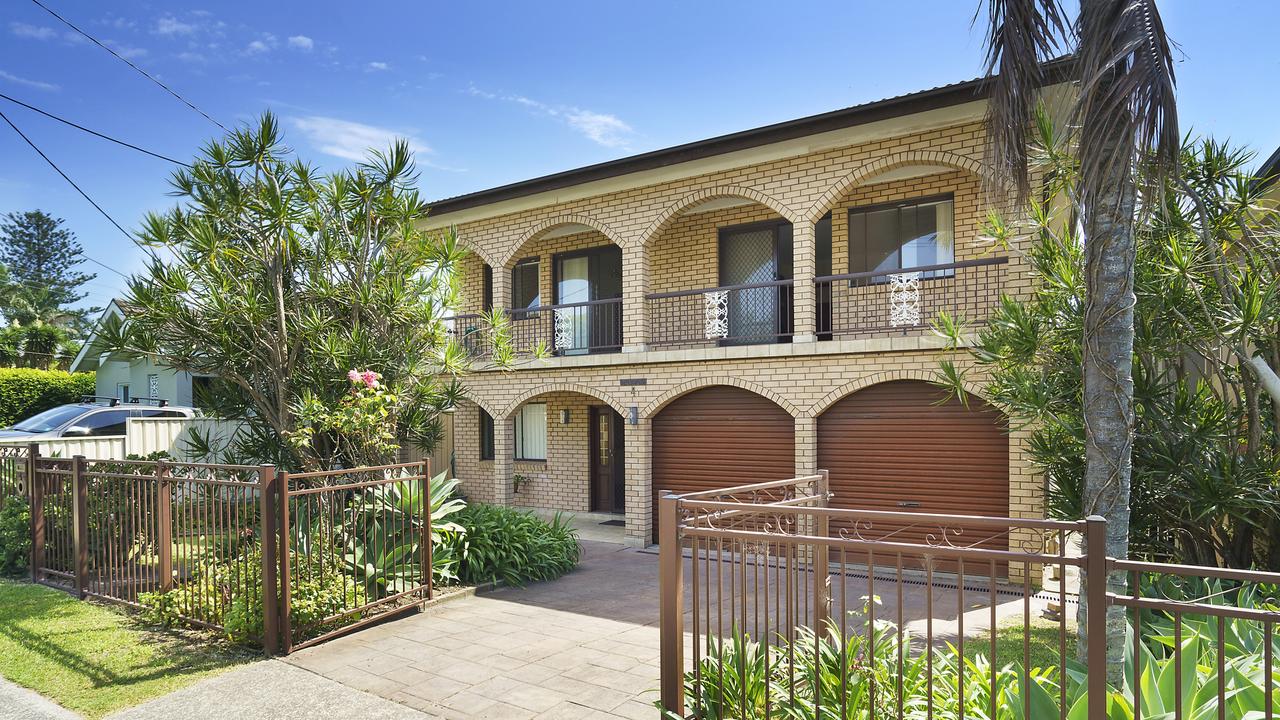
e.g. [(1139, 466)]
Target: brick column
[(806, 445), (501, 288), (635, 285), (504, 448), (804, 269), (638, 447)]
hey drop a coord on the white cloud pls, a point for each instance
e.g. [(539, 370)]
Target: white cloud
[(352, 140), (301, 42), (601, 128), (37, 84), (255, 47), (379, 66), (35, 32), (170, 25), (126, 51), (191, 57)]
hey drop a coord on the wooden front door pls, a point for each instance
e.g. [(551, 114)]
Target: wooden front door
[(605, 442)]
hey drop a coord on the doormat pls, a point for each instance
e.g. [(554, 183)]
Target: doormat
[(615, 523)]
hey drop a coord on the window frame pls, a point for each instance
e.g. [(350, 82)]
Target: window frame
[(486, 435), (518, 421), (524, 264), (898, 205)]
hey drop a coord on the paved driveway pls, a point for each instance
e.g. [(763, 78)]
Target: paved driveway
[(584, 646)]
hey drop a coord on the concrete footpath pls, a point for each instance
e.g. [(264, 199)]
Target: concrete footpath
[(19, 703)]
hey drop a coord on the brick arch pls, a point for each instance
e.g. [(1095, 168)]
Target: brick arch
[(479, 251), (854, 386), (684, 389), (485, 405), (673, 211), (528, 395), (861, 174), (566, 219)]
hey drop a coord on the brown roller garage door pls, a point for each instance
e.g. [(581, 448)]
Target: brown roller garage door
[(718, 437), (893, 447)]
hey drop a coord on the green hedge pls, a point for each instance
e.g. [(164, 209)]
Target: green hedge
[(25, 392)]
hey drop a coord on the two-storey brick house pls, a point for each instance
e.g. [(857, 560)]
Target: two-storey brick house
[(748, 307)]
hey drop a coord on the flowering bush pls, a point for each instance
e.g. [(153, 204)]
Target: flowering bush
[(361, 425)]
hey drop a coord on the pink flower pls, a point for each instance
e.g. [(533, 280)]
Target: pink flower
[(370, 378), (354, 376)]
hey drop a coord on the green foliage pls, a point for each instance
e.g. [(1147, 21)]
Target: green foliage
[(37, 345), (40, 282), (516, 547), (1206, 452), (15, 536), (25, 392), (278, 279)]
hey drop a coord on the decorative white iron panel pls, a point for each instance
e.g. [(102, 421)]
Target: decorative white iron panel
[(904, 299), (566, 329), (717, 314)]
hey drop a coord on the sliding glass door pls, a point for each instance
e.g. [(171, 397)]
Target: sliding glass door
[(749, 255), (589, 282)]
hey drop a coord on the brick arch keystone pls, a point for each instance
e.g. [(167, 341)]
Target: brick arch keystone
[(666, 398), (861, 174), (566, 219), (673, 211), (530, 394), (854, 386)]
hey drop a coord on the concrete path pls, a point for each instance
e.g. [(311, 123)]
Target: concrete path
[(267, 690), (19, 703)]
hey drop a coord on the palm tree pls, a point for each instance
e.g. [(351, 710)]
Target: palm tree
[(1124, 115)]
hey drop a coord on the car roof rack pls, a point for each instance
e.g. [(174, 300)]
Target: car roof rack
[(110, 399), (159, 402)]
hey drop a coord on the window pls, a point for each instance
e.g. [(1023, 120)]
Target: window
[(486, 435), (901, 236), (122, 392), (160, 414), (488, 287), (524, 285), (531, 432), (153, 386), (107, 422)]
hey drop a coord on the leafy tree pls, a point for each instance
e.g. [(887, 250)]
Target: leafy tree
[(280, 281), (41, 282), (1206, 451), (1124, 116)]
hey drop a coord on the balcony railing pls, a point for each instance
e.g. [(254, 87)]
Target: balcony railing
[(902, 301), (728, 315), (578, 328)]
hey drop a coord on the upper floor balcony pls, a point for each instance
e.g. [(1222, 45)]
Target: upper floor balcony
[(882, 262)]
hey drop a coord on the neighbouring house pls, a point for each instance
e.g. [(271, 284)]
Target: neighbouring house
[(746, 308), (131, 379), (1268, 175)]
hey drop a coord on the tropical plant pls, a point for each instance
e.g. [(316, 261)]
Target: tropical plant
[(381, 535), (277, 279), (516, 547), (15, 535), (1124, 116)]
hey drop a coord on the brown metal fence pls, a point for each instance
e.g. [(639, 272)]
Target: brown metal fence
[(231, 548), (776, 605)]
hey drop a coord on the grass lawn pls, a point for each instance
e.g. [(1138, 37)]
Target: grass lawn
[(1009, 649), (93, 659)]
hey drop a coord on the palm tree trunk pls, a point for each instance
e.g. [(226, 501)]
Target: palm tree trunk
[(1110, 251)]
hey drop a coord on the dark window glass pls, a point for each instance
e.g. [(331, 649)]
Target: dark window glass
[(524, 285), (160, 414), (822, 238), (486, 435), (488, 287), (901, 237), (107, 422)]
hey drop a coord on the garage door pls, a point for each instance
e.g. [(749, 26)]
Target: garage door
[(719, 437), (893, 447)]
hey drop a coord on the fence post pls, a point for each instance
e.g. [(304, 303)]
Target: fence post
[(286, 619), (427, 559), (164, 527), (80, 524), (821, 559), (1095, 581), (671, 589), (267, 532), (35, 491)]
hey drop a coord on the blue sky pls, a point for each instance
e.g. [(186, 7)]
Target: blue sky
[(491, 93)]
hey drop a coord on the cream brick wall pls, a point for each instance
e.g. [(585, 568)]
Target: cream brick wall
[(668, 244)]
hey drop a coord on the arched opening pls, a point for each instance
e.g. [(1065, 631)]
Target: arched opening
[(908, 446), (717, 437), (721, 271), (564, 288)]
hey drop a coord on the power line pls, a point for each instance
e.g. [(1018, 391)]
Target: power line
[(126, 61), (64, 121), (73, 184)]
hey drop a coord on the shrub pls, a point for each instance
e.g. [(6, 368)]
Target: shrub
[(25, 392), (514, 546), (15, 536)]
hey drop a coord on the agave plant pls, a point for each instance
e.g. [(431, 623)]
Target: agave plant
[(382, 535)]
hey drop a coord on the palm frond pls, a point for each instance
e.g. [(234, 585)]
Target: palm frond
[(1021, 36)]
